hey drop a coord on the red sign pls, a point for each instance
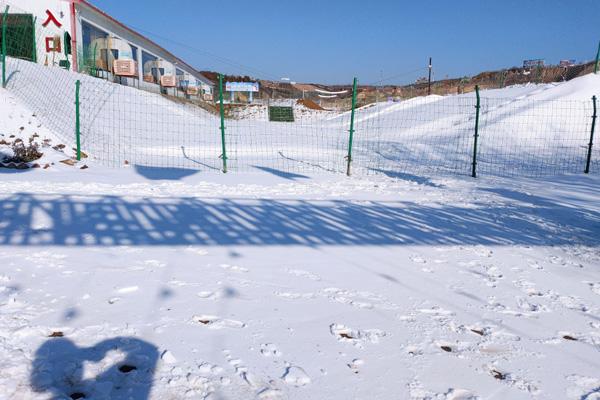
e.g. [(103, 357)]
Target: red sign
[(53, 44), (51, 18)]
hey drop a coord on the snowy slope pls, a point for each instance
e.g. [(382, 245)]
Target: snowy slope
[(20, 124), (534, 130)]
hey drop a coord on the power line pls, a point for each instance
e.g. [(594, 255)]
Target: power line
[(233, 63), (223, 60), (400, 75)]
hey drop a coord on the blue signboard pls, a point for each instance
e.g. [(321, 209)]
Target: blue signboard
[(242, 86)]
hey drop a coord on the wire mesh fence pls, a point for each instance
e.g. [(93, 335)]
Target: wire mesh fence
[(289, 132)]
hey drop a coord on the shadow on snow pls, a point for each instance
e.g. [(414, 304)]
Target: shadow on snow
[(110, 220), (58, 369)]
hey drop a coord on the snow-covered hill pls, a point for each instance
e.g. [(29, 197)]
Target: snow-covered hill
[(532, 130)]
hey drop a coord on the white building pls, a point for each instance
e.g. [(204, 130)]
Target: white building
[(100, 40)]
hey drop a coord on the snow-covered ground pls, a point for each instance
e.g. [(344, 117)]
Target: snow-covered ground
[(151, 283), (300, 287)]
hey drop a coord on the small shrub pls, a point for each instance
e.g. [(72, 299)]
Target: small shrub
[(23, 153)]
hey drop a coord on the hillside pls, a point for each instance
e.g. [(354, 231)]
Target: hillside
[(372, 93)]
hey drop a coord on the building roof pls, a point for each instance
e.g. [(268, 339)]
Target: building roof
[(179, 61)]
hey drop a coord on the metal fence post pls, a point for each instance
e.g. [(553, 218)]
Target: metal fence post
[(222, 111), (589, 154), (34, 44), (4, 23), (597, 59), (351, 139), (477, 107), (77, 120)]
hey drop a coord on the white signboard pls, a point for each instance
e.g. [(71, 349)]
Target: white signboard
[(242, 86)]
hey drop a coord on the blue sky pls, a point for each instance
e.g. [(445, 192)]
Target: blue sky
[(331, 41)]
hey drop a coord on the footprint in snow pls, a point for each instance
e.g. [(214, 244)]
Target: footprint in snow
[(295, 376), (269, 350), (210, 369), (417, 259), (357, 337), (482, 251), (528, 306), (214, 322), (451, 347), (573, 303), (249, 378), (355, 365), (557, 260), (511, 379), (594, 286), (534, 264)]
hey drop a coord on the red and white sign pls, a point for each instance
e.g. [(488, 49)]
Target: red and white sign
[(51, 18), (53, 44)]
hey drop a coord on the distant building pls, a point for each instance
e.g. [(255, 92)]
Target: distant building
[(533, 63), (567, 63), (80, 35)]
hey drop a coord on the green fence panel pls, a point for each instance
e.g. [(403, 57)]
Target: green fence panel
[(20, 36)]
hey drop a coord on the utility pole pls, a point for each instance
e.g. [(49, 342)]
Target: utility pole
[(429, 82), (74, 35), (597, 60)]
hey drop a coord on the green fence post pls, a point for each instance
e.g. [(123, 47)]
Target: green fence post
[(4, 22), (77, 123), (222, 111), (477, 107), (589, 154), (34, 47), (94, 67), (597, 59), (351, 138)]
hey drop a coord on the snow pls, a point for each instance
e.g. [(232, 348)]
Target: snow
[(143, 282), (533, 130)]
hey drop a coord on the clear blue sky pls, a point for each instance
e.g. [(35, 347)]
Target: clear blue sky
[(330, 41)]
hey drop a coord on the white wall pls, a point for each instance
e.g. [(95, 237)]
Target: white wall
[(60, 9)]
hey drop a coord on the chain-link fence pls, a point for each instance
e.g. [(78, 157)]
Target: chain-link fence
[(294, 128)]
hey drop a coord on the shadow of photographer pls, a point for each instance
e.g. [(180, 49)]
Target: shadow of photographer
[(118, 368)]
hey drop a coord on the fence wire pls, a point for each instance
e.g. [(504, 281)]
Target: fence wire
[(122, 125)]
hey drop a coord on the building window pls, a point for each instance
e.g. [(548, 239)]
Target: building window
[(94, 46), (150, 68), (134, 52)]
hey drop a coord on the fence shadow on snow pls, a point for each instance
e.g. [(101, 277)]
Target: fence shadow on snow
[(110, 220)]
